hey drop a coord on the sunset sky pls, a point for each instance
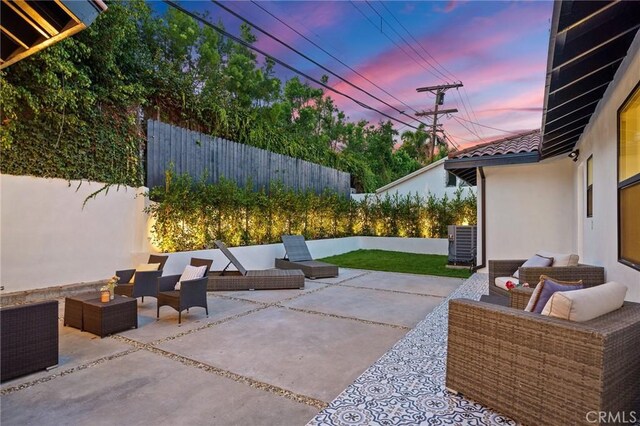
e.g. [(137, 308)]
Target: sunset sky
[(497, 49)]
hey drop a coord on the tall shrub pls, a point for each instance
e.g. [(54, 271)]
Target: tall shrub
[(191, 215)]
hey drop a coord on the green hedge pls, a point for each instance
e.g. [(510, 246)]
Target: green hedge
[(191, 215)]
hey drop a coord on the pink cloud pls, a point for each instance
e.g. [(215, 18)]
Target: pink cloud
[(451, 4), (506, 91)]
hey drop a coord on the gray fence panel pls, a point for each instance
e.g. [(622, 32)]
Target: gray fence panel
[(197, 154)]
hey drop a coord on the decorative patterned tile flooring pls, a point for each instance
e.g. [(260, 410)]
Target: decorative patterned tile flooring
[(406, 386)]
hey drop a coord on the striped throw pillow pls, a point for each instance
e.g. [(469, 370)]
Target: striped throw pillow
[(191, 273)]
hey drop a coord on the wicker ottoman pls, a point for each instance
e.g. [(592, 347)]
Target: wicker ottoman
[(103, 319), (73, 309)]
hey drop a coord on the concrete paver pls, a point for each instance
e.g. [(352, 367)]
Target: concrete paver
[(344, 275), (313, 343), (373, 305), (309, 354), (272, 296), (75, 348), (411, 283), (149, 329), (143, 388)]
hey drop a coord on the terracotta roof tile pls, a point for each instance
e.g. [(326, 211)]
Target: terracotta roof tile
[(522, 143)]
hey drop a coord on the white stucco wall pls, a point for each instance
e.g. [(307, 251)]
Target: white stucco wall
[(530, 207), (598, 235), (48, 239)]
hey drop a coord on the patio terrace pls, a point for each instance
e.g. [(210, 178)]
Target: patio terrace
[(261, 357)]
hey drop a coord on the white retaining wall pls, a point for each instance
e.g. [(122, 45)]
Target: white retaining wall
[(262, 256), (47, 239)]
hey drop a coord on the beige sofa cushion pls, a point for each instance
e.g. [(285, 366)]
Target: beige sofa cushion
[(560, 259), (586, 304), (502, 282)]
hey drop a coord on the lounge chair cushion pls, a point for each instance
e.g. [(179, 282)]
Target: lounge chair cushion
[(296, 247), (191, 273), (502, 282), (586, 304), (535, 261), (545, 289), (144, 267), (560, 259)]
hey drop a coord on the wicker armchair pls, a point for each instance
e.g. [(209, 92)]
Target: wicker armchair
[(590, 275), (192, 293), (29, 338), (541, 370), (145, 284)]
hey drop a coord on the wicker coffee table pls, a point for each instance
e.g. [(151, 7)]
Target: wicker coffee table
[(100, 318)]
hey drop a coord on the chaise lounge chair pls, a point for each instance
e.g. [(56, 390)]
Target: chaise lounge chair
[(297, 256), (252, 280)]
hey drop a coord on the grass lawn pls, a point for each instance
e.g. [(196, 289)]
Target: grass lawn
[(393, 261)]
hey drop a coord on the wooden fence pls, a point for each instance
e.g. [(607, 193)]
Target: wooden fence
[(198, 154)]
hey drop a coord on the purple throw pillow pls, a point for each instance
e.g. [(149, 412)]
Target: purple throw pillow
[(548, 288)]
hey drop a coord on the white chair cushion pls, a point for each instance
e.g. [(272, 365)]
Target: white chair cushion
[(560, 259), (586, 304), (144, 267), (191, 273), (502, 282)]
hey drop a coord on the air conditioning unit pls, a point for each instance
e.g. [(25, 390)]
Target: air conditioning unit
[(462, 244)]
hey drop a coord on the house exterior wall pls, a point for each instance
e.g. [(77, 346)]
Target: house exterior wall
[(529, 208), (598, 235), (430, 181)]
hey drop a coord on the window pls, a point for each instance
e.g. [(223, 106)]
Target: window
[(451, 179), (629, 180), (590, 186)]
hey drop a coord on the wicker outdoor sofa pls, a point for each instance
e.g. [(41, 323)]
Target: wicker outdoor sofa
[(540, 370), (242, 279), (590, 275), (297, 256), (28, 338)]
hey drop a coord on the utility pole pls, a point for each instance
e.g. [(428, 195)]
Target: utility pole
[(438, 91)]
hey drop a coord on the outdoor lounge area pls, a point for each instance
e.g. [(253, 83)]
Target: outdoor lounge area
[(196, 231), (260, 357)]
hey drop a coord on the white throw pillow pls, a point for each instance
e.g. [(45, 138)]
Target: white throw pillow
[(191, 273), (536, 261), (560, 259), (144, 267), (586, 304)]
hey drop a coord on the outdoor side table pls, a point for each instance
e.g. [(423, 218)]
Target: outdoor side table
[(103, 319), (73, 309)]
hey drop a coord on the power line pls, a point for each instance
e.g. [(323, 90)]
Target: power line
[(473, 129), (408, 44), (489, 127), (278, 61), (441, 66), (417, 42), (329, 54), (464, 106), (468, 129), (395, 43), (293, 49)]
